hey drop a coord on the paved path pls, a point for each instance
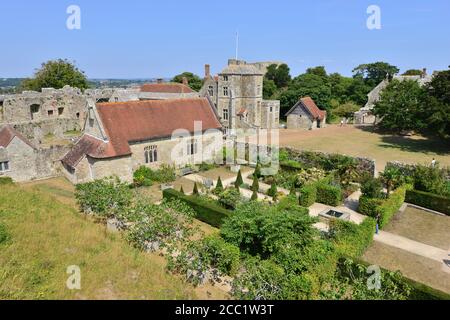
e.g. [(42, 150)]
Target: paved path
[(412, 246)]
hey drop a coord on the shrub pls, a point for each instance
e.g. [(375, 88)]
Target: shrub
[(430, 179), (290, 203), (350, 239), (329, 195), (260, 229), (105, 197), (205, 211), (223, 256), (429, 200), (372, 188), (254, 196), (308, 195), (230, 198), (6, 180), (159, 226), (182, 190), (368, 206), (196, 258), (4, 234), (144, 176), (206, 166), (385, 209), (239, 181), (273, 191)]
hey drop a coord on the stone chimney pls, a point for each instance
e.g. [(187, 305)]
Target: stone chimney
[(159, 80), (207, 71), (185, 81)]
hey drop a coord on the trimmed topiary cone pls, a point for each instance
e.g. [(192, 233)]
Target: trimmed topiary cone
[(219, 185), (239, 181), (195, 191), (255, 185), (182, 190), (254, 196)]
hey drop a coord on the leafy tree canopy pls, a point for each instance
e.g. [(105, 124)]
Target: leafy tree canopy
[(376, 72), (56, 74), (400, 106), (412, 72), (279, 74), (194, 81)]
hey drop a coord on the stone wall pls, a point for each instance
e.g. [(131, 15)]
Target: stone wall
[(311, 157), (36, 131), (27, 163)]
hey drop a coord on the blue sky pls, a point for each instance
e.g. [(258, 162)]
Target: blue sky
[(146, 38)]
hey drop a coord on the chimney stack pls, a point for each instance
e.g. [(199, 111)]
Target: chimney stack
[(207, 71), (185, 81)]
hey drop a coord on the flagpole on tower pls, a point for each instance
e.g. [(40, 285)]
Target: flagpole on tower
[(237, 44)]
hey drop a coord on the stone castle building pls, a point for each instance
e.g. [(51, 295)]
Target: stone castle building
[(119, 137), (237, 93), (306, 115)]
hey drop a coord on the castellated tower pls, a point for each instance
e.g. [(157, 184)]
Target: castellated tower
[(237, 92)]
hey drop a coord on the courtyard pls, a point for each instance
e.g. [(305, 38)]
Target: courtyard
[(364, 141)]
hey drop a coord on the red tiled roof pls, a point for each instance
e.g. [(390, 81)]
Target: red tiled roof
[(7, 134), (312, 108), (135, 121), (87, 145), (166, 88)]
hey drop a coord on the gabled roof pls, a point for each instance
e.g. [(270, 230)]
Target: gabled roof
[(310, 106), (137, 121), (7, 134), (166, 88), (87, 145)]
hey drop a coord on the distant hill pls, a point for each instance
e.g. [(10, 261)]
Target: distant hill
[(8, 85)]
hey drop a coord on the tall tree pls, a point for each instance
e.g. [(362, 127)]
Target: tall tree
[(437, 104), (279, 74), (400, 106), (56, 74), (374, 73), (194, 81)]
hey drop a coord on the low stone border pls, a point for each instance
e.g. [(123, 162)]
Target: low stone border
[(425, 209)]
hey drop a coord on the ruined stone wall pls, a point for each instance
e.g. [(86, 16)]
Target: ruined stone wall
[(21, 159), (36, 131)]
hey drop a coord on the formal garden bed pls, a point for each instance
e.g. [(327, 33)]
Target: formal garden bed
[(267, 245)]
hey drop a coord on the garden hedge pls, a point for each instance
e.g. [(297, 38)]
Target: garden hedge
[(207, 212), (351, 239), (429, 200), (386, 208), (419, 291), (328, 194), (308, 195)]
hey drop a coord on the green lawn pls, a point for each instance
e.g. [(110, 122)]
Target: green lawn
[(367, 142), (47, 236)]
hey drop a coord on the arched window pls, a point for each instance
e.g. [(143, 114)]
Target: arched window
[(151, 154)]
